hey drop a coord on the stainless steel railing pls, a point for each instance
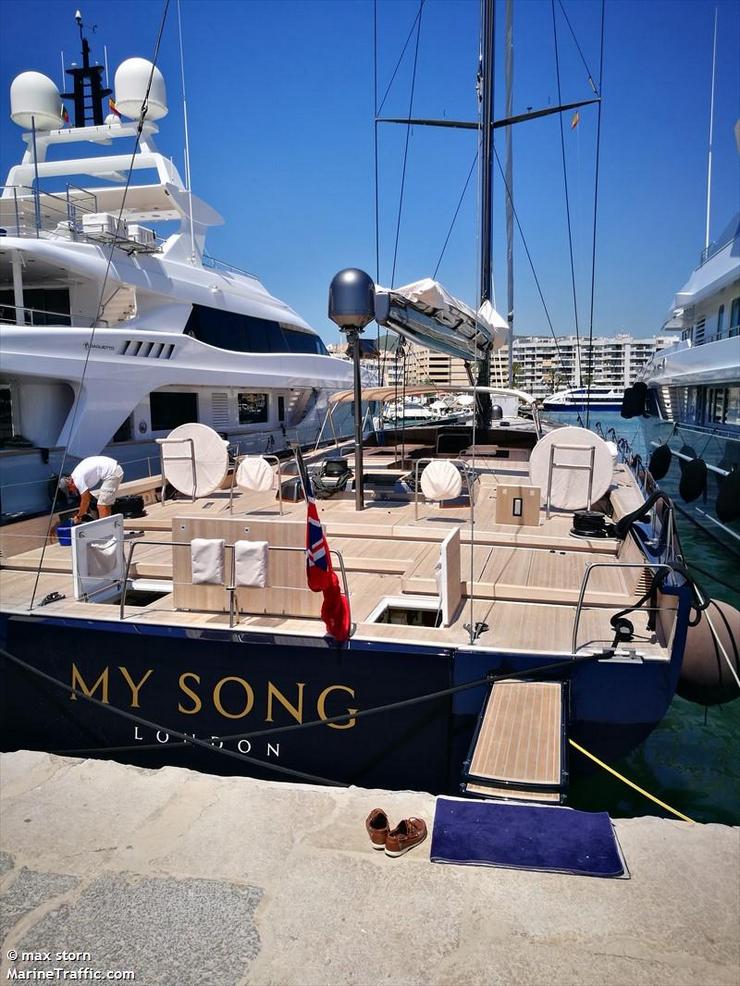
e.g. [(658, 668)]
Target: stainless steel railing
[(617, 606), (231, 588)]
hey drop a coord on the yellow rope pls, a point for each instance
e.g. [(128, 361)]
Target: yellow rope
[(629, 783)]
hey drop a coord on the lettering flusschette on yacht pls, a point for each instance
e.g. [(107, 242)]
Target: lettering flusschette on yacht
[(115, 324)]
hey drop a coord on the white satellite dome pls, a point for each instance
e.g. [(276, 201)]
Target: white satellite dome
[(132, 79), (35, 101)]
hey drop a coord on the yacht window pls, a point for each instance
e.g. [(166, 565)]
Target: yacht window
[(717, 405), (732, 415), (253, 408), (720, 321), (735, 318), (6, 415), (125, 431), (281, 409), (247, 334), (42, 306), (171, 408)]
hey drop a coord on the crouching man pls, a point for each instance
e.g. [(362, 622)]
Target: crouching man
[(86, 476)]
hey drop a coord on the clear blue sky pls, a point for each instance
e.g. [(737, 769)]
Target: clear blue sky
[(280, 99)]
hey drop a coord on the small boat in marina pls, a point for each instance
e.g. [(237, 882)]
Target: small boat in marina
[(495, 592), (597, 397)]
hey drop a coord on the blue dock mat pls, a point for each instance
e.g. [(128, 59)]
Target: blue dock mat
[(526, 837)]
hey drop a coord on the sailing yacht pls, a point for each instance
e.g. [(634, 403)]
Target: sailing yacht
[(443, 610), (115, 323)]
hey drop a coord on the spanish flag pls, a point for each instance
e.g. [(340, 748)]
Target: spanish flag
[(112, 107), (65, 115), (575, 121)]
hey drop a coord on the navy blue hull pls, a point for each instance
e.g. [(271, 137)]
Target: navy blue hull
[(229, 688)]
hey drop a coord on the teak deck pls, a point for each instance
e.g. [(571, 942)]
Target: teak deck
[(520, 741), (523, 581)]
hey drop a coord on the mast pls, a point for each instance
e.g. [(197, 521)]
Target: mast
[(509, 172), (88, 91), (483, 408), (711, 130)]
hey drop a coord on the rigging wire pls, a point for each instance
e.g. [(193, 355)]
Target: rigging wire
[(400, 58), (531, 263), (580, 52), (187, 134), (377, 193), (457, 210), (101, 302), (567, 196), (406, 146), (596, 206)]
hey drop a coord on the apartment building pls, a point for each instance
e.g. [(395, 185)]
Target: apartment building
[(542, 365)]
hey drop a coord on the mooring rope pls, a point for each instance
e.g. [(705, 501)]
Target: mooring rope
[(187, 739), (629, 783)]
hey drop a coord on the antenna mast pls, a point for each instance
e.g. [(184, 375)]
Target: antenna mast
[(711, 132), (88, 92)]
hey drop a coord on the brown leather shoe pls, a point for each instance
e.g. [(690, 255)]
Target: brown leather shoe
[(377, 827), (408, 833)]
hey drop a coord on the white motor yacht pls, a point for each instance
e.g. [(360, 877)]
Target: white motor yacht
[(115, 324), (597, 397), (693, 390)]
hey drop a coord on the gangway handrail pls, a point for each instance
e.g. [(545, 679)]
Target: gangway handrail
[(606, 564)]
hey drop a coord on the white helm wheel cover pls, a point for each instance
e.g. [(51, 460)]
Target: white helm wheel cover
[(441, 480), (569, 490), (211, 459), (254, 474)]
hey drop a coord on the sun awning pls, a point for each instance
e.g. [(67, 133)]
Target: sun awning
[(425, 313)]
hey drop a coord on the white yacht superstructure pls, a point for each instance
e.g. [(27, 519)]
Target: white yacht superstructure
[(597, 397), (115, 325), (693, 396)]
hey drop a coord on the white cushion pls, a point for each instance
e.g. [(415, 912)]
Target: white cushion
[(207, 561), (251, 559), (441, 480), (254, 474)]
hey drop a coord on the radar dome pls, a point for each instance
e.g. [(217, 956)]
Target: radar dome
[(35, 101), (132, 79)]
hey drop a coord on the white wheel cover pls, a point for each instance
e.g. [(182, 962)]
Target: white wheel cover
[(569, 490), (211, 460), (440, 480), (254, 474)]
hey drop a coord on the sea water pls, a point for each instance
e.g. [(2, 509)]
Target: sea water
[(691, 760)]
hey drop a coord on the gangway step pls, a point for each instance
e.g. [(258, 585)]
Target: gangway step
[(518, 750)]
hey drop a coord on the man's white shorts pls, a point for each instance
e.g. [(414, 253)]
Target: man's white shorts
[(106, 495)]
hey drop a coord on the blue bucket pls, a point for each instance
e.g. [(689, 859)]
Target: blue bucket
[(64, 533)]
